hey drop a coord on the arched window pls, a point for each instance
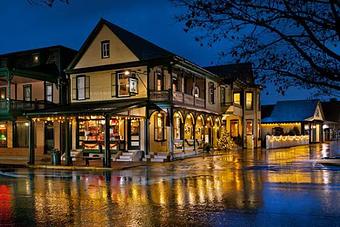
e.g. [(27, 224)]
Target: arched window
[(159, 126), (196, 92)]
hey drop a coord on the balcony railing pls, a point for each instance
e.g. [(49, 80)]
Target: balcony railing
[(18, 106), (160, 96)]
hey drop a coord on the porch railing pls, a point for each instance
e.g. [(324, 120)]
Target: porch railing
[(160, 95), (21, 106)]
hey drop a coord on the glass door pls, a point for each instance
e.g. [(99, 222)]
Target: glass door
[(49, 136), (133, 134)]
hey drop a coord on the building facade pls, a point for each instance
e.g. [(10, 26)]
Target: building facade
[(301, 119), (132, 99), (31, 80)]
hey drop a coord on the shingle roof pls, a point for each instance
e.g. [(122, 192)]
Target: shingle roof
[(232, 72), (331, 110), (292, 111)]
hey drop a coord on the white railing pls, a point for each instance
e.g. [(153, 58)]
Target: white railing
[(273, 142)]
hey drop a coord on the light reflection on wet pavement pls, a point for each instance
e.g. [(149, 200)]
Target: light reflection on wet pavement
[(247, 188)]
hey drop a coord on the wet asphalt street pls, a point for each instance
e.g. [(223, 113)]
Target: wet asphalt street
[(245, 188)]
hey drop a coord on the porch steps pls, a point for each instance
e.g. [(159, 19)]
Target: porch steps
[(160, 157), (126, 157)]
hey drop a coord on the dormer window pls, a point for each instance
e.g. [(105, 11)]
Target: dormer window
[(105, 48)]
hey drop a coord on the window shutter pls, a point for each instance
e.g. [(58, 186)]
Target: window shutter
[(74, 88), (87, 87), (113, 85)]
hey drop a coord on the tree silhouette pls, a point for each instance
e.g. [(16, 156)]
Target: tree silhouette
[(289, 42)]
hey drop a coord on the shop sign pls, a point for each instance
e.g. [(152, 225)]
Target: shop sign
[(133, 86)]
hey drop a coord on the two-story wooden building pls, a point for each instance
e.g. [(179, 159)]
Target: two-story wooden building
[(31, 80), (137, 100)]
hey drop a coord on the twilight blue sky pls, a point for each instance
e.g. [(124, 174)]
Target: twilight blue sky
[(25, 26)]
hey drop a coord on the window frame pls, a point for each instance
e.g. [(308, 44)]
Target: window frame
[(118, 85), (223, 94), (252, 126), (239, 93), (159, 76), (211, 89), (162, 127), (24, 87), (238, 128), (3, 90), (105, 53), (252, 100), (47, 84)]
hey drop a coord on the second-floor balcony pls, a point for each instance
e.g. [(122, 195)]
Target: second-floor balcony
[(12, 107), (177, 97)]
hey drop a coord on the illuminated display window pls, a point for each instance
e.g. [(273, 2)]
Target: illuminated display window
[(159, 127), (249, 127), (3, 135), (3, 93), (234, 128)]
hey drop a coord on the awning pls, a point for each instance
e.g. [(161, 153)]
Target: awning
[(108, 107)]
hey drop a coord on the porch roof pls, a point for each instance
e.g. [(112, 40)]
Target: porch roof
[(107, 107), (28, 73)]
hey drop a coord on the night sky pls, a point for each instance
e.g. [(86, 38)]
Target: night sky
[(25, 26)]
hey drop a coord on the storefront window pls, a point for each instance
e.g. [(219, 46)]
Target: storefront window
[(21, 130), (188, 128), (3, 93), (234, 128), (3, 135), (159, 81), (211, 93), (134, 134), (177, 126), (91, 132), (249, 127), (159, 127)]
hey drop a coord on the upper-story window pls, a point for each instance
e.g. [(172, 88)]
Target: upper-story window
[(249, 100), (211, 93), (81, 87), (176, 83), (124, 84), (27, 89), (159, 81), (3, 93), (196, 92), (49, 92), (105, 48), (223, 100), (237, 98)]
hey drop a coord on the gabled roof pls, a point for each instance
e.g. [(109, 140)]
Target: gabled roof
[(331, 110), (143, 49), (292, 111), (232, 72)]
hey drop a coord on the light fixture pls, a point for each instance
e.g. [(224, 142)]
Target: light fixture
[(126, 72)]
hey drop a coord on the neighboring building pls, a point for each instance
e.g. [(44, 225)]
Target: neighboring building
[(294, 118), (241, 108), (331, 126), (31, 80), (139, 100)]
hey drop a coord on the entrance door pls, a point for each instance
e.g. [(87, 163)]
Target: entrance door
[(49, 137), (133, 135)]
